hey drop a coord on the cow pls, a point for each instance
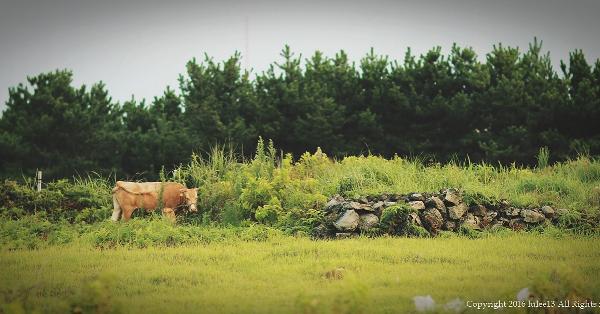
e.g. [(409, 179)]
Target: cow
[(128, 196)]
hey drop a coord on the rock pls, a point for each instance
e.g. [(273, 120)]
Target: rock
[(386, 204), (321, 231), (352, 205), (414, 219), (383, 197), (334, 203), (512, 211), (517, 224), (452, 197), (432, 220), (348, 221), (455, 305), (424, 303), (378, 205), (416, 197), (471, 221), (367, 208), (363, 200), (436, 202), (548, 211), (488, 219), (373, 198), (394, 197), (367, 221), (503, 204), (524, 294), (456, 212), (532, 216), (478, 210), (449, 225), (561, 211), (418, 205)]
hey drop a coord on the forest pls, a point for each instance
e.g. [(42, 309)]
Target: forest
[(435, 107)]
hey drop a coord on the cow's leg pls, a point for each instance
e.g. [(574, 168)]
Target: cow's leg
[(170, 213), (127, 212), (116, 209)]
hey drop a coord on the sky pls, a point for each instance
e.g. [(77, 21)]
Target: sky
[(139, 47)]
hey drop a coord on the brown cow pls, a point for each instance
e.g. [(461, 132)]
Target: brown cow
[(128, 196)]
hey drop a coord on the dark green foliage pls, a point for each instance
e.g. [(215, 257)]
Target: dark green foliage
[(57, 201), (435, 106), (59, 128)]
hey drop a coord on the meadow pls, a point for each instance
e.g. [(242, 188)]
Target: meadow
[(285, 274), (251, 247)]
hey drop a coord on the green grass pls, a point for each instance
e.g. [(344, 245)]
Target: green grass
[(59, 252), (285, 274)]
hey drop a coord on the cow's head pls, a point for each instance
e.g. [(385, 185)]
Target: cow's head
[(190, 196)]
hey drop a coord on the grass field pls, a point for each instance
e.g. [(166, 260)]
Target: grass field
[(248, 248), (285, 274)]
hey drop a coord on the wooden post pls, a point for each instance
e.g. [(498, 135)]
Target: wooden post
[(39, 180)]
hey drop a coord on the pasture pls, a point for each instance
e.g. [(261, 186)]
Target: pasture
[(250, 248), (285, 274)]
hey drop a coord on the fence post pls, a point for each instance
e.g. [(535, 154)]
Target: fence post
[(39, 180)]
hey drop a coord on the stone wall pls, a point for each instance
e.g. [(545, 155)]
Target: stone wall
[(446, 210)]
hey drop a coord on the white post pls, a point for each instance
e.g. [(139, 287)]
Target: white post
[(39, 180)]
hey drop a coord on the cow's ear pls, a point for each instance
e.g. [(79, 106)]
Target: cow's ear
[(181, 192)]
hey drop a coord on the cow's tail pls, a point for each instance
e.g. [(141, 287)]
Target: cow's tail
[(116, 207)]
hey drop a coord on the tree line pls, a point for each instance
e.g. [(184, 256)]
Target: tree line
[(434, 106)]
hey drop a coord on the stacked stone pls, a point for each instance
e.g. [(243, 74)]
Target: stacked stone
[(445, 210)]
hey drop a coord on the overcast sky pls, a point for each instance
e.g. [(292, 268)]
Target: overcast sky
[(139, 47)]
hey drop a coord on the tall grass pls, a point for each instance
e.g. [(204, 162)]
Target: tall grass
[(543, 157)]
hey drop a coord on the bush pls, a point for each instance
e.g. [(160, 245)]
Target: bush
[(268, 214), (395, 220), (258, 192), (58, 200)]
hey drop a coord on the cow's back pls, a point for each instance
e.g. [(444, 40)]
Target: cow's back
[(139, 187)]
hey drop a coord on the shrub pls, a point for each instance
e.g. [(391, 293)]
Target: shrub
[(395, 220), (58, 200), (258, 192), (267, 214), (93, 215), (214, 197)]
